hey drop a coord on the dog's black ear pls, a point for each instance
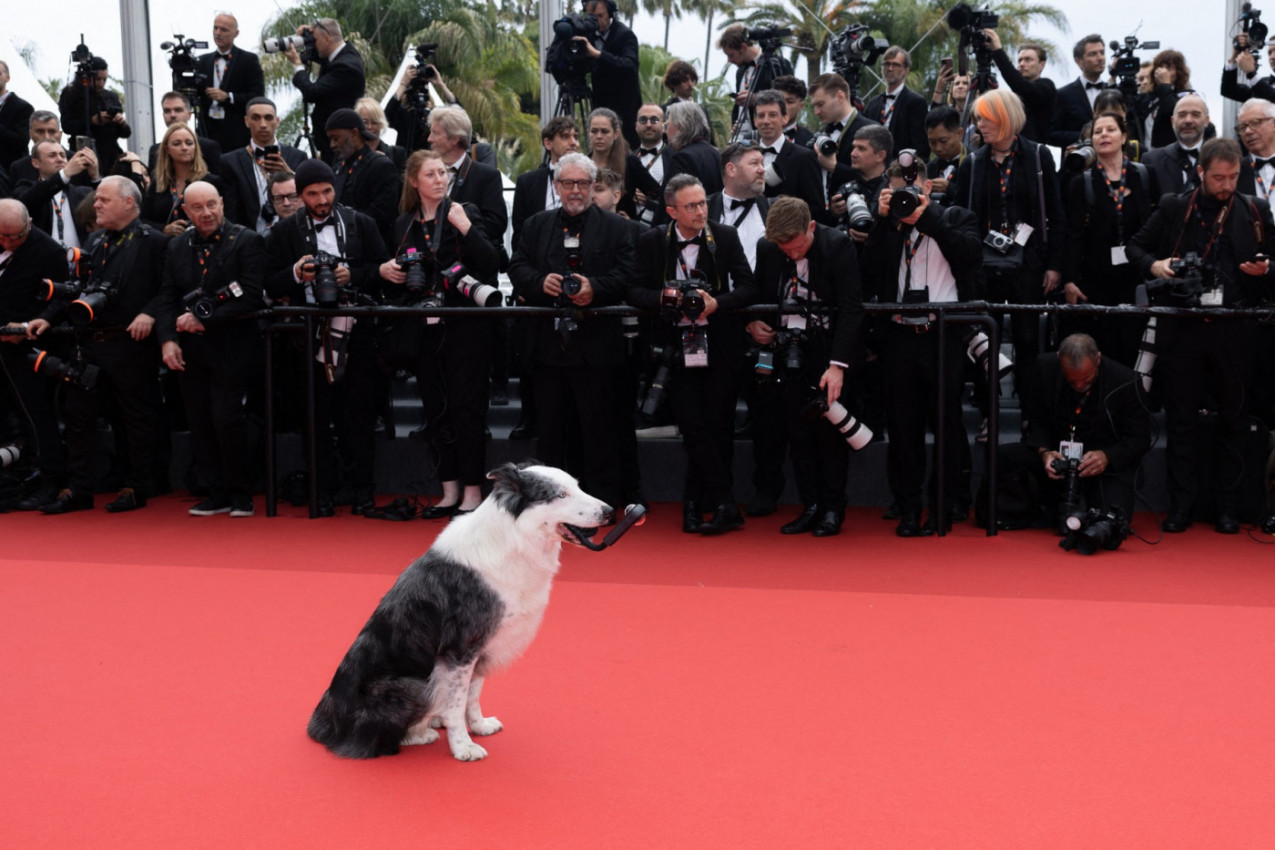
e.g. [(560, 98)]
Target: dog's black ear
[(508, 490), (505, 470)]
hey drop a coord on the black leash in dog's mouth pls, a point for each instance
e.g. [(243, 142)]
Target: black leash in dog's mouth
[(633, 515)]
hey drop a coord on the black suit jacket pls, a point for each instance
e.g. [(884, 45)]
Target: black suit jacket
[(243, 80), (1071, 112), (615, 77), (210, 149), (341, 81), (529, 198), (834, 278), (1092, 232), (726, 275), (38, 199), (15, 122), (954, 229), (607, 243), (239, 256), (1038, 97), (907, 123), (1114, 420), (1235, 90), (700, 159), (39, 257), (243, 197), (480, 255), (844, 172), (157, 207), (372, 186), (105, 136), (135, 265), (802, 177), (1170, 165), (1158, 239), (291, 239), (482, 186)]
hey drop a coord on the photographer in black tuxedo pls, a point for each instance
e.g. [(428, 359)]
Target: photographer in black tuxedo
[(614, 52), (1231, 234), (803, 262), (107, 124), (346, 372), (236, 78), (571, 257), (215, 274), (693, 271), (121, 283), (342, 78)]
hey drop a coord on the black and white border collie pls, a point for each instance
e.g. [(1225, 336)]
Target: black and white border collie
[(468, 606)]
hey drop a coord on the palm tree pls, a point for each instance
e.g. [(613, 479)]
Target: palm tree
[(669, 9), (706, 10)]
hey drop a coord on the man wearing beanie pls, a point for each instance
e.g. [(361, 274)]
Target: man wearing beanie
[(366, 179)]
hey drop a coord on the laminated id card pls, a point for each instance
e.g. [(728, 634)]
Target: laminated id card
[(1070, 449), (694, 347), (1118, 257), (1211, 297), (1022, 233)]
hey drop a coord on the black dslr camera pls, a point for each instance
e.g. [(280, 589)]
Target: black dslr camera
[(1095, 529), (1251, 23), (1069, 504), (203, 304), (304, 43), (565, 323), (182, 62), (858, 215), (91, 301), (326, 291), (665, 357), (84, 375), (681, 298), (1192, 276), (905, 200)]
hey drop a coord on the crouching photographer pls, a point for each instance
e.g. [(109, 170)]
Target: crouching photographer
[(1230, 235), (1089, 431), (812, 270), (441, 255), (326, 255), (215, 274), (694, 271)]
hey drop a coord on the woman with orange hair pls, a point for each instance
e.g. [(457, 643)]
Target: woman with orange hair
[(1012, 186)]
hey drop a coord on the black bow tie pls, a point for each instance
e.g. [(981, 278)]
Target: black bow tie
[(1099, 85), (734, 204), (648, 151), (319, 225), (891, 96), (1259, 164), (834, 127), (769, 150), (698, 240), (1190, 154)]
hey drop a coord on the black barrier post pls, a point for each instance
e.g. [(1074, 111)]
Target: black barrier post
[(272, 497), (311, 431)]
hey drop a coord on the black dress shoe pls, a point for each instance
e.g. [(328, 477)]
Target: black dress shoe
[(761, 504), (829, 524), (38, 498), (804, 521), (1268, 524), (361, 504), (68, 501), (928, 529), (127, 500), (1176, 523), (523, 431), (325, 508), (692, 517), (909, 525), (440, 511), (1227, 523), (725, 518)]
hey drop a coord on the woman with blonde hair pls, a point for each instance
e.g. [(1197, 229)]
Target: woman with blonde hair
[(178, 163), (374, 119)]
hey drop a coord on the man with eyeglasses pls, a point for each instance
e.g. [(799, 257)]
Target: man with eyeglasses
[(1233, 235), (899, 109), (283, 194), (28, 256), (576, 257), (247, 170), (705, 348), (342, 79), (1175, 164), (1256, 129)]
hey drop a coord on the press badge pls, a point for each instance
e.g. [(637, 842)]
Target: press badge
[(1071, 450), (1211, 297), (1022, 233), (1118, 257), (694, 347)]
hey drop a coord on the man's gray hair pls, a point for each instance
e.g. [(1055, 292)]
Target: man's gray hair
[(1077, 348), (1268, 108), (691, 124), (455, 122), (577, 160), (676, 184), (126, 187), (331, 26), (40, 116)]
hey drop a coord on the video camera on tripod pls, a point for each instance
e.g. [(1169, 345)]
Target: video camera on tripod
[(182, 62), (1251, 24), (970, 23), (566, 59), (852, 50), (1127, 65)]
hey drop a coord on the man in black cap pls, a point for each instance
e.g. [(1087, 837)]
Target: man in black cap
[(366, 179), (346, 371)]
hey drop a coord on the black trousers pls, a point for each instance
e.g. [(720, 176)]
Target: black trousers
[(820, 455), (770, 432), (31, 396), (592, 396), (703, 405), (1199, 361), (214, 384), (1104, 491), (1024, 287), (451, 378), (910, 362), (130, 377), (345, 419)]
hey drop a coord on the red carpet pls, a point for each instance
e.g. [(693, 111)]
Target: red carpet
[(753, 691)]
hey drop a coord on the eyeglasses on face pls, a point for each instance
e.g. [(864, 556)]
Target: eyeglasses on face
[(1252, 125), (291, 198), (694, 205), (649, 119), (574, 184)]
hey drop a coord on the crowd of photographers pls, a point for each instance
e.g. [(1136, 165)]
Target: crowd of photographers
[(903, 199)]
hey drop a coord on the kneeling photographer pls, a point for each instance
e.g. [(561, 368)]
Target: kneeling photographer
[(1089, 431), (327, 255), (442, 258), (1230, 235), (214, 275), (693, 271), (813, 272)]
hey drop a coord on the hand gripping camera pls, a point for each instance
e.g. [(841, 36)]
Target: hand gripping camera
[(203, 304), (856, 434), (905, 200), (326, 291), (681, 298), (78, 372)]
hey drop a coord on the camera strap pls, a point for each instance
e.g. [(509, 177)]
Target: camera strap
[(1004, 174), (334, 220), (435, 242), (1218, 223), (670, 240)]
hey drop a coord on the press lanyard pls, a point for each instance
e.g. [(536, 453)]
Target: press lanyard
[(1004, 183), (1117, 195), (909, 253)]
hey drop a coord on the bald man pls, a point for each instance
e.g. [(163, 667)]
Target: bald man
[(1175, 163), (235, 77)]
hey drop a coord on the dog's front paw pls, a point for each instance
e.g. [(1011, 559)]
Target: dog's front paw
[(420, 736), (468, 752), (486, 726)]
